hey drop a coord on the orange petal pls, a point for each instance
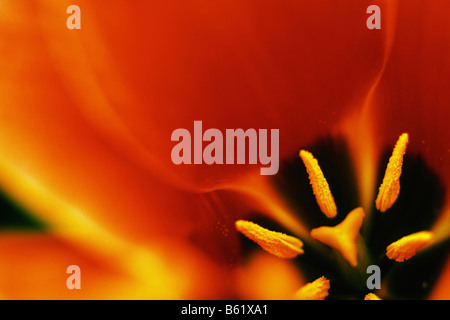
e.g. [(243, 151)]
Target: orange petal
[(256, 281), (33, 266)]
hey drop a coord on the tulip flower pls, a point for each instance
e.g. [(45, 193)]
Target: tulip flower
[(85, 144)]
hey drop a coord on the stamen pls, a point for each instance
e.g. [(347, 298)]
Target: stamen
[(319, 184), (277, 243), (390, 188), (343, 236), (316, 290), (371, 296), (408, 246)]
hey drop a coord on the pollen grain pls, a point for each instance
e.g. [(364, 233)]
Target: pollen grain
[(390, 187), (316, 290), (408, 246), (319, 184), (276, 243)]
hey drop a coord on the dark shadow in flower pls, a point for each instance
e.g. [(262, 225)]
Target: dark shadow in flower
[(14, 217), (414, 278)]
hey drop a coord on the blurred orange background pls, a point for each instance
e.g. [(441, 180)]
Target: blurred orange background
[(86, 118)]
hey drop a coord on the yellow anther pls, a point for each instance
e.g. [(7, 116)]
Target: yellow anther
[(343, 237), (319, 184), (390, 188), (371, 296), (277, 243), (316, 290), (408, 246)]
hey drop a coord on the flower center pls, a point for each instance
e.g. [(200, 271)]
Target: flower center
[(345, 238)]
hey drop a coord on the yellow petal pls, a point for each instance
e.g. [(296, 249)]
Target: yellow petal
[(319, 184), (277, 243), (316, 290), (371, 296), (390, 188), (408, 246), (343, 237)]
